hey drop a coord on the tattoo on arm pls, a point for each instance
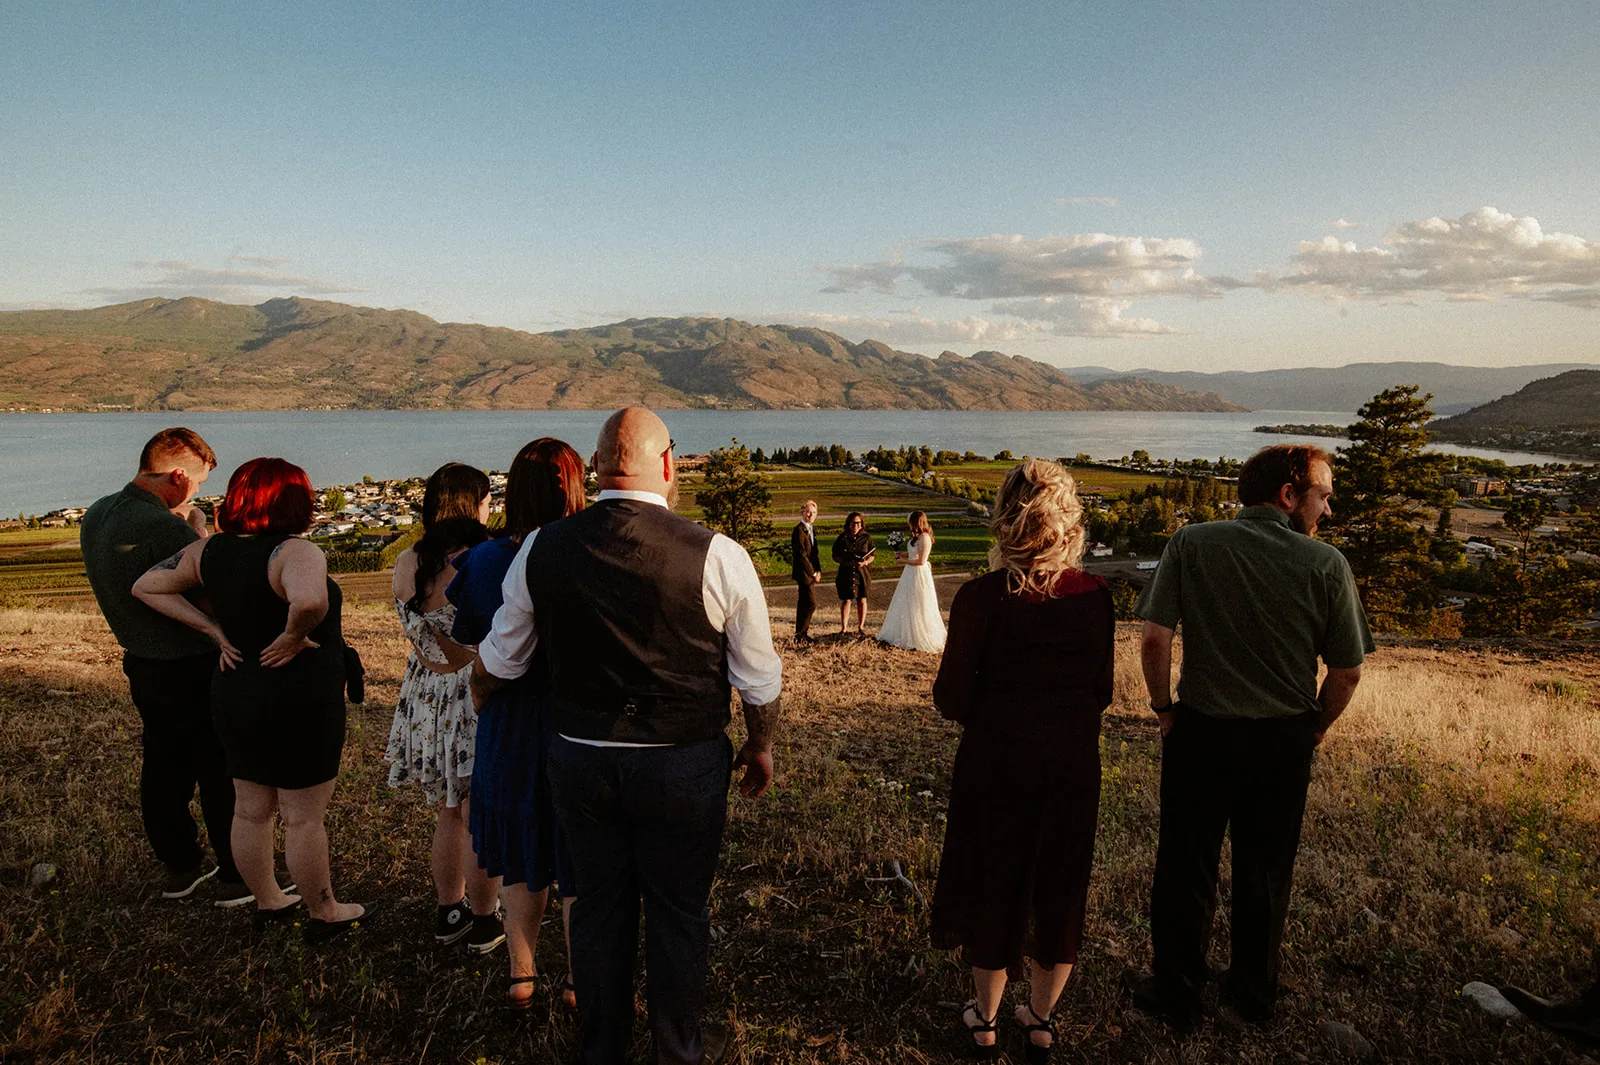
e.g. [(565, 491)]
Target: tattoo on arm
[(169, 563), (761, 722), (275, 550)]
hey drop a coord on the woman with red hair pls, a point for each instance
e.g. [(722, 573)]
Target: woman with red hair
[(278, 694)]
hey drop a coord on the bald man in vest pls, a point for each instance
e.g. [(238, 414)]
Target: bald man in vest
[(648, 622)]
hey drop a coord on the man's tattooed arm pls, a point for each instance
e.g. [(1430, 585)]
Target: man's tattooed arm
[(761, 724)]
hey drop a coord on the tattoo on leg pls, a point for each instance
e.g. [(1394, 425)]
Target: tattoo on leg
[(327, 895)]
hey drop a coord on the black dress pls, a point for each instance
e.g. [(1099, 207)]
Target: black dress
[(1027, 677), (853, 581), (282, 727)]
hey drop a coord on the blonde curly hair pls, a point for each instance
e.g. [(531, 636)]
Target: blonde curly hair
[(1037, 526)]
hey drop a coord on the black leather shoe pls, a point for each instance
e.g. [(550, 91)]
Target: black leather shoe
[(1147, 997), (1575, 1018), (322, 931), (715, 1043)]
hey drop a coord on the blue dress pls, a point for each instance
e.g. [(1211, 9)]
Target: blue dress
[(511, 817)]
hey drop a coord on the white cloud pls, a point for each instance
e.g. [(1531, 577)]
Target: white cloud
[(1084, 201), (1077, 285), (1341, 223), (1484, 254), (1090, 316), (241, 279), (910, 329)]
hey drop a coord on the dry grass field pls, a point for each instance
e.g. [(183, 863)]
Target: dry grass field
[(1458, 798)]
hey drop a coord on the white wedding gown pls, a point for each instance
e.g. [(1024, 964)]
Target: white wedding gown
[(913, 620)]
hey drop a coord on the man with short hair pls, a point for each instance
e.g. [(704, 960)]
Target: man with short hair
[(168, 664), (806, 568), (645, 623), (1259, 600)]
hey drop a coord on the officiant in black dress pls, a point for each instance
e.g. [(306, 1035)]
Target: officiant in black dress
[(854, 552)]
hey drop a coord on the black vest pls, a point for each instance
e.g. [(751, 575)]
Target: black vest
[(620, 612)]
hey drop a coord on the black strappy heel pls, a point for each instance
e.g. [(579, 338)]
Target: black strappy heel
[(1037, 1054), (514, 1002), (981, 1051)]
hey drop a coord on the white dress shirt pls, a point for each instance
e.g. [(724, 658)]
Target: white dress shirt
[(730, 588)]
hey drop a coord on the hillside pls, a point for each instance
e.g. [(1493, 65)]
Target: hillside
[(195, 354), (1345, 388), (1450, 807), (1559, 414)]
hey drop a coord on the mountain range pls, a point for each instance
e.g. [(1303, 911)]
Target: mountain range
[(196, 354), (1345, 388)]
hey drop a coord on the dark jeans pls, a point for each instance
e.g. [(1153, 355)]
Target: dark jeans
[(641, 821), (1250, 778), (805, 605), (181, 751)]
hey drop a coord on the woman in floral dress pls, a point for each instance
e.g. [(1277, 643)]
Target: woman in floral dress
[(432, 740)]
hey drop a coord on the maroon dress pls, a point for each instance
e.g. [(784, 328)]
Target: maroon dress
[(1027, 676)]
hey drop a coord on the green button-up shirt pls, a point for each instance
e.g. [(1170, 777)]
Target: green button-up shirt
[(123, 535), (1259, 603)]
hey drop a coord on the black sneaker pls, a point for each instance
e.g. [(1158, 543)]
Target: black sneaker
[(180, 883), (488, 932), (454, 923), (230, 894)]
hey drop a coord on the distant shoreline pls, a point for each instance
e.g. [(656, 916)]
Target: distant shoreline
[(1302, 430)]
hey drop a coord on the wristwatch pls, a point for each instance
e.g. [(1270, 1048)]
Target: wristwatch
[(1161, 709)]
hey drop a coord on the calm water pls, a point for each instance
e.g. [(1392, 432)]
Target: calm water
[(59, 460)]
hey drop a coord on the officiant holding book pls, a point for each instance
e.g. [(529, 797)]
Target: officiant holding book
[(854, 552)]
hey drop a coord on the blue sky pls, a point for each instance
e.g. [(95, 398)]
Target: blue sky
[(1183, 186)]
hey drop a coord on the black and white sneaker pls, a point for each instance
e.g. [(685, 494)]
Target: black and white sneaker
[(180, 883), (488, 932), (454, 923)]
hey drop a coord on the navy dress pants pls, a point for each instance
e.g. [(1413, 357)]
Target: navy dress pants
[(1248, 777), (641, 822), (181, 753)]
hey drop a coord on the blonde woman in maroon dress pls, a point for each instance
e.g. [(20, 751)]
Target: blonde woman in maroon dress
[(1027, 671)]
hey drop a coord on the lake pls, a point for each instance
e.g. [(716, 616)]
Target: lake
[(61, 460)]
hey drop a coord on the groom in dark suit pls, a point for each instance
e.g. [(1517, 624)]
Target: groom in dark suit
[(806, 568)]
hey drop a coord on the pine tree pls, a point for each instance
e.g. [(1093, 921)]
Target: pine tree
[(1383, 483), (735, 499)]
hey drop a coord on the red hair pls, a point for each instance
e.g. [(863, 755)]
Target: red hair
[(267, 495)]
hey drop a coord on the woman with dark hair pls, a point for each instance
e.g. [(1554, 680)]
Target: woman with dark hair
[(913, 621), (1027, 671), (278, 695), (432, 740), (854, 552), (513, 824)]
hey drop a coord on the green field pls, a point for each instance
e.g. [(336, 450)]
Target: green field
[(41, 567), (1098, 481)]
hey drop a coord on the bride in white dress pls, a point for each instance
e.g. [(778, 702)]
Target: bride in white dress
[(913, 620)]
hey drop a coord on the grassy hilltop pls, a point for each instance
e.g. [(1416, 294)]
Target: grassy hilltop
[(196, 354), (1456, 800)]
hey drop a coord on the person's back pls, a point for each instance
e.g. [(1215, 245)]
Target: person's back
[(122, 536), (1260, 603), (234, 570), (641, 663)]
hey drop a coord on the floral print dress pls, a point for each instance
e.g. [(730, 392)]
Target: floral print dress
[(432, 740)]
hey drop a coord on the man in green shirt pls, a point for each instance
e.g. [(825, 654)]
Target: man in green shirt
[(1260, 600), (168, 664)]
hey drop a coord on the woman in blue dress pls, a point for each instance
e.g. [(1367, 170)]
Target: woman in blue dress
[(511, 818)]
